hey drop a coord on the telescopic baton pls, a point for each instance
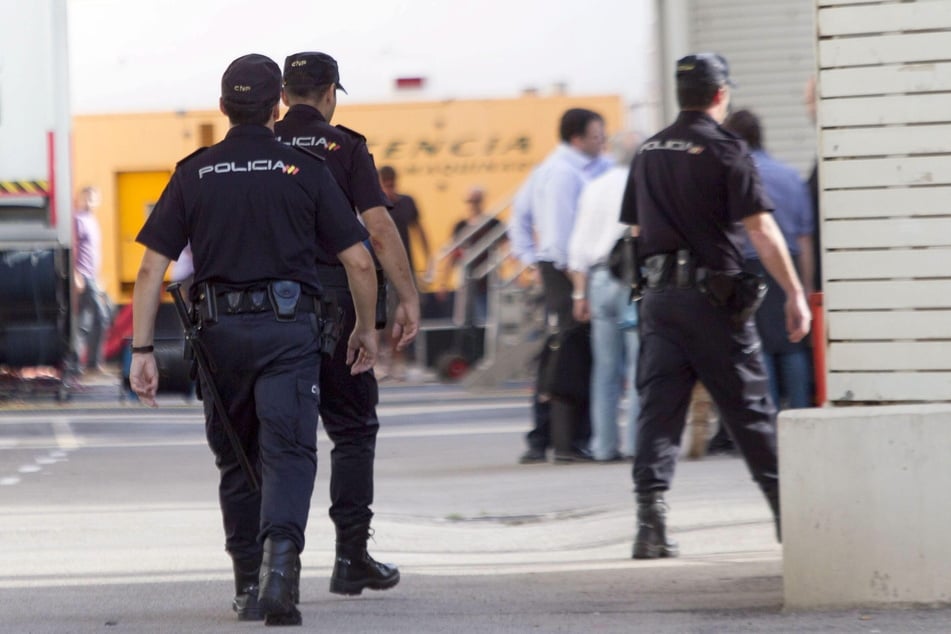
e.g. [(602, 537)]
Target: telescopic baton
[(204, 370)]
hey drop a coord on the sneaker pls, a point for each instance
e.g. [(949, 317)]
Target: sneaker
[(616, 457), (575, 455)]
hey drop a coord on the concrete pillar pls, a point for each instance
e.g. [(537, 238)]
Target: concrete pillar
[(866, 505)]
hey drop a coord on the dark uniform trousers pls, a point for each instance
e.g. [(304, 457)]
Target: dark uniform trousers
[(267, 374), (348, 411), (685, 338)]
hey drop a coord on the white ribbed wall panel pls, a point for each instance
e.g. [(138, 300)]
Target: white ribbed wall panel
[(885, 175)]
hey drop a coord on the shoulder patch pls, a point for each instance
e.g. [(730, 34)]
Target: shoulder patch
[(192, 155), (352, 133), (307, 151)]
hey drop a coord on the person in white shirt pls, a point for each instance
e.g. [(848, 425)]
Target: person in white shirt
[(543, 214), (605, 300)]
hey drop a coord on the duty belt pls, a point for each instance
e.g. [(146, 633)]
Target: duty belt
[(677, 269), (256, 301), (284, 298)]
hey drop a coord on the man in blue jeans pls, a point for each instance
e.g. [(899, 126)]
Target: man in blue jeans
[(788, 363), (603, 299)]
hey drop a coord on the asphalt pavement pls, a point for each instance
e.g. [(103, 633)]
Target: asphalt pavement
[(109, 522)]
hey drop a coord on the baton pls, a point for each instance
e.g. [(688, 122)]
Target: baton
[(204, 371)]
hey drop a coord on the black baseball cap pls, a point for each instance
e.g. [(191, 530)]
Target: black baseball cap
[(251, 80), (709, 69), (311, 69)]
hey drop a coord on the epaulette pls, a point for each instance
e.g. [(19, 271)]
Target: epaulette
[(193, 154), (352, 133), (307, 152)]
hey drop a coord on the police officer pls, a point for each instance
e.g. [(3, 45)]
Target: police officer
[(692, 193), (255, 211), (348, 409)]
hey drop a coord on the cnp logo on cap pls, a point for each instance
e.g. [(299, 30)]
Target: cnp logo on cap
[(251, 80), (311, 69)]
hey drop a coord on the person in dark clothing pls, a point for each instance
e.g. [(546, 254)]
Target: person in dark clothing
[(254, 211), (405, 215), (348, 408), (692, 197), (788, 363)]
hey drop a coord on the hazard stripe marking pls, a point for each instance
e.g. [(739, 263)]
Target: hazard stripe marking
[(24, 188)]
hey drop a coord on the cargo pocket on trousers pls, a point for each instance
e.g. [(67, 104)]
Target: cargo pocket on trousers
[(308, 400)]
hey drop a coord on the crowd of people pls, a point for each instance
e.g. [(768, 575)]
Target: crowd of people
[(698, 222)]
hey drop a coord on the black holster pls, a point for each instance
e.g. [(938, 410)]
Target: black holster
[(624, 264), (331, 322), (740, 293)]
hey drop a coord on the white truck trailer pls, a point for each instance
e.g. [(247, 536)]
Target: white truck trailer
[(35, 189)]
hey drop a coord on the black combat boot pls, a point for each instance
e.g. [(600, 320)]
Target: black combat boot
[(772, 497), (355, 569), (245, 604), (295, 581), (651, 541), (280, 569)]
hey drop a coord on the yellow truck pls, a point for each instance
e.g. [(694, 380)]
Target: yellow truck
[(440, 149)]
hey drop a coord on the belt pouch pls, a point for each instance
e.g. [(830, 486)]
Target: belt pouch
[(207, 304), (684, 273), (657, 270), (284, 295)]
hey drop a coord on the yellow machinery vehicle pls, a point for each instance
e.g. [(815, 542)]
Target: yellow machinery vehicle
[(439, 150)]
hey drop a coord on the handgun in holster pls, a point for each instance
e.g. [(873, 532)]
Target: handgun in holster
[(632, 264), (331, 322)]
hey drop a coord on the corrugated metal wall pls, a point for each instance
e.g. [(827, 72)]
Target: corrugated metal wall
[(771, 49)]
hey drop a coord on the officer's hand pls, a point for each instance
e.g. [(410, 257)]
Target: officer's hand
[(798, 317), (406, 324), (143, 377), (581, 310), (361, 350)]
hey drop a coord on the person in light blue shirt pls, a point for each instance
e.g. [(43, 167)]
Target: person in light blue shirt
[(788, 364), (543, 217)]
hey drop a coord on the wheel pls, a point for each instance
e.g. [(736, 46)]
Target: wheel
[(452, 366)]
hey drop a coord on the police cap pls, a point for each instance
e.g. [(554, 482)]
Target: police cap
[(251, 80), (311, 69), (708, 69)]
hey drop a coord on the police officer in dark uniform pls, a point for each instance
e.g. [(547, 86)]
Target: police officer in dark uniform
[(348, 409), (692, 193), (255, 211)]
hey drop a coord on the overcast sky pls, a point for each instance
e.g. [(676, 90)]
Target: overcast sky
[(147, 55)]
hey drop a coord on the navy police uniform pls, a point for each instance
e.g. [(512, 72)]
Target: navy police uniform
[(255, 211), (689, 188), (349, 409)]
